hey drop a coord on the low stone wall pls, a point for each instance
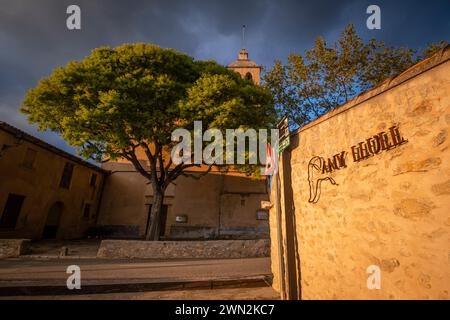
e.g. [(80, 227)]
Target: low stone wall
[(12, 248), (217, 249), (115, 231), (191, 233)]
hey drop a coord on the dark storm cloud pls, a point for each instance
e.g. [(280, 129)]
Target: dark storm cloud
[(34, 38)]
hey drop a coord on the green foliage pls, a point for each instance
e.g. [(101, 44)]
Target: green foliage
[(223, 102), (114, 97), (135, 95), (432, 49), (327, 76), (118, 101)]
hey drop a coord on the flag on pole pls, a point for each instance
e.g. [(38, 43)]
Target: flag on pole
[(270, 162)]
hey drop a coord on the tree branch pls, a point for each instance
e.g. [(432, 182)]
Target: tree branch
[(197, 176), (173, 174), (162, 171), (131, 156), (152, 160)]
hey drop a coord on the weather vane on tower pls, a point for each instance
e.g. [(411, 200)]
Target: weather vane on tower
[(243, 36)]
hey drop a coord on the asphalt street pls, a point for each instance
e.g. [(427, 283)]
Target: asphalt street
[(22, 272), (94, 271)]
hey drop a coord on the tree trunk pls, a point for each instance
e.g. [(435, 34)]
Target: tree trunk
[(153, 230)]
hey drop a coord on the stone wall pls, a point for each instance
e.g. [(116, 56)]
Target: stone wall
[(216, 206), (13, 248), (369, 184), (216, 249)]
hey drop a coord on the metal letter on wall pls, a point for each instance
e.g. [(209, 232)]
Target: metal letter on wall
[(321, 169)]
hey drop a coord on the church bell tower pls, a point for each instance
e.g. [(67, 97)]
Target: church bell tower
[(244, 66)]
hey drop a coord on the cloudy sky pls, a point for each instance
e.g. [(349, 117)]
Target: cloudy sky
[(34, 38)]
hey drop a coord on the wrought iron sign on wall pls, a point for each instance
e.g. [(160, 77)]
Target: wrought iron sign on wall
[(320, 169)]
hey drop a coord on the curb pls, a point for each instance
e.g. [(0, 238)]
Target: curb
[(41, 290), (54, 257)]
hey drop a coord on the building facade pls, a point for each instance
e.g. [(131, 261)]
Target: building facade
[(215, 206), (245, 67), (45, 193)]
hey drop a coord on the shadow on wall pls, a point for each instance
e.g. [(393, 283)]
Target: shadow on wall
[(216, 206), (292, 259)]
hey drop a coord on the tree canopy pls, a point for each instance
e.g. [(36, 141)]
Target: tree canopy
[(327, 76)]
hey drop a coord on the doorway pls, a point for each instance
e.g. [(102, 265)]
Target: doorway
[(53, 220), (162, 221), (11, 211)]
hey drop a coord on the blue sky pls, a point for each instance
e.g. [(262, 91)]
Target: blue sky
[(34, 38)]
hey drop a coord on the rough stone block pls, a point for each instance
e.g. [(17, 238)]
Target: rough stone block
[(215, 249), (13, 248)]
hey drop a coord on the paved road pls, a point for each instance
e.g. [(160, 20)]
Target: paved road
[(94, 271), (263, 293), (29, 273)]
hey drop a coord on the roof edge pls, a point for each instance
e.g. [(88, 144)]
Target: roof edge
[(440, 57), (45, 145)]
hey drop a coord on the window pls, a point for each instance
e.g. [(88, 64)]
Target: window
[(86, 210), (66, 176), (248, 76), (93, 180), (30, 156), (11, 211)]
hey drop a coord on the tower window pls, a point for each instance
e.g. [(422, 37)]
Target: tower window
[(248, 76)]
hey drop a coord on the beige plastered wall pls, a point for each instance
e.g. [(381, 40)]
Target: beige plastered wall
[(391, 210)]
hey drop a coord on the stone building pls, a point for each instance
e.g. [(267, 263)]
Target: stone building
[(245, 67), (218, 205), (47, 193), (366, 212), (44, 191)]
